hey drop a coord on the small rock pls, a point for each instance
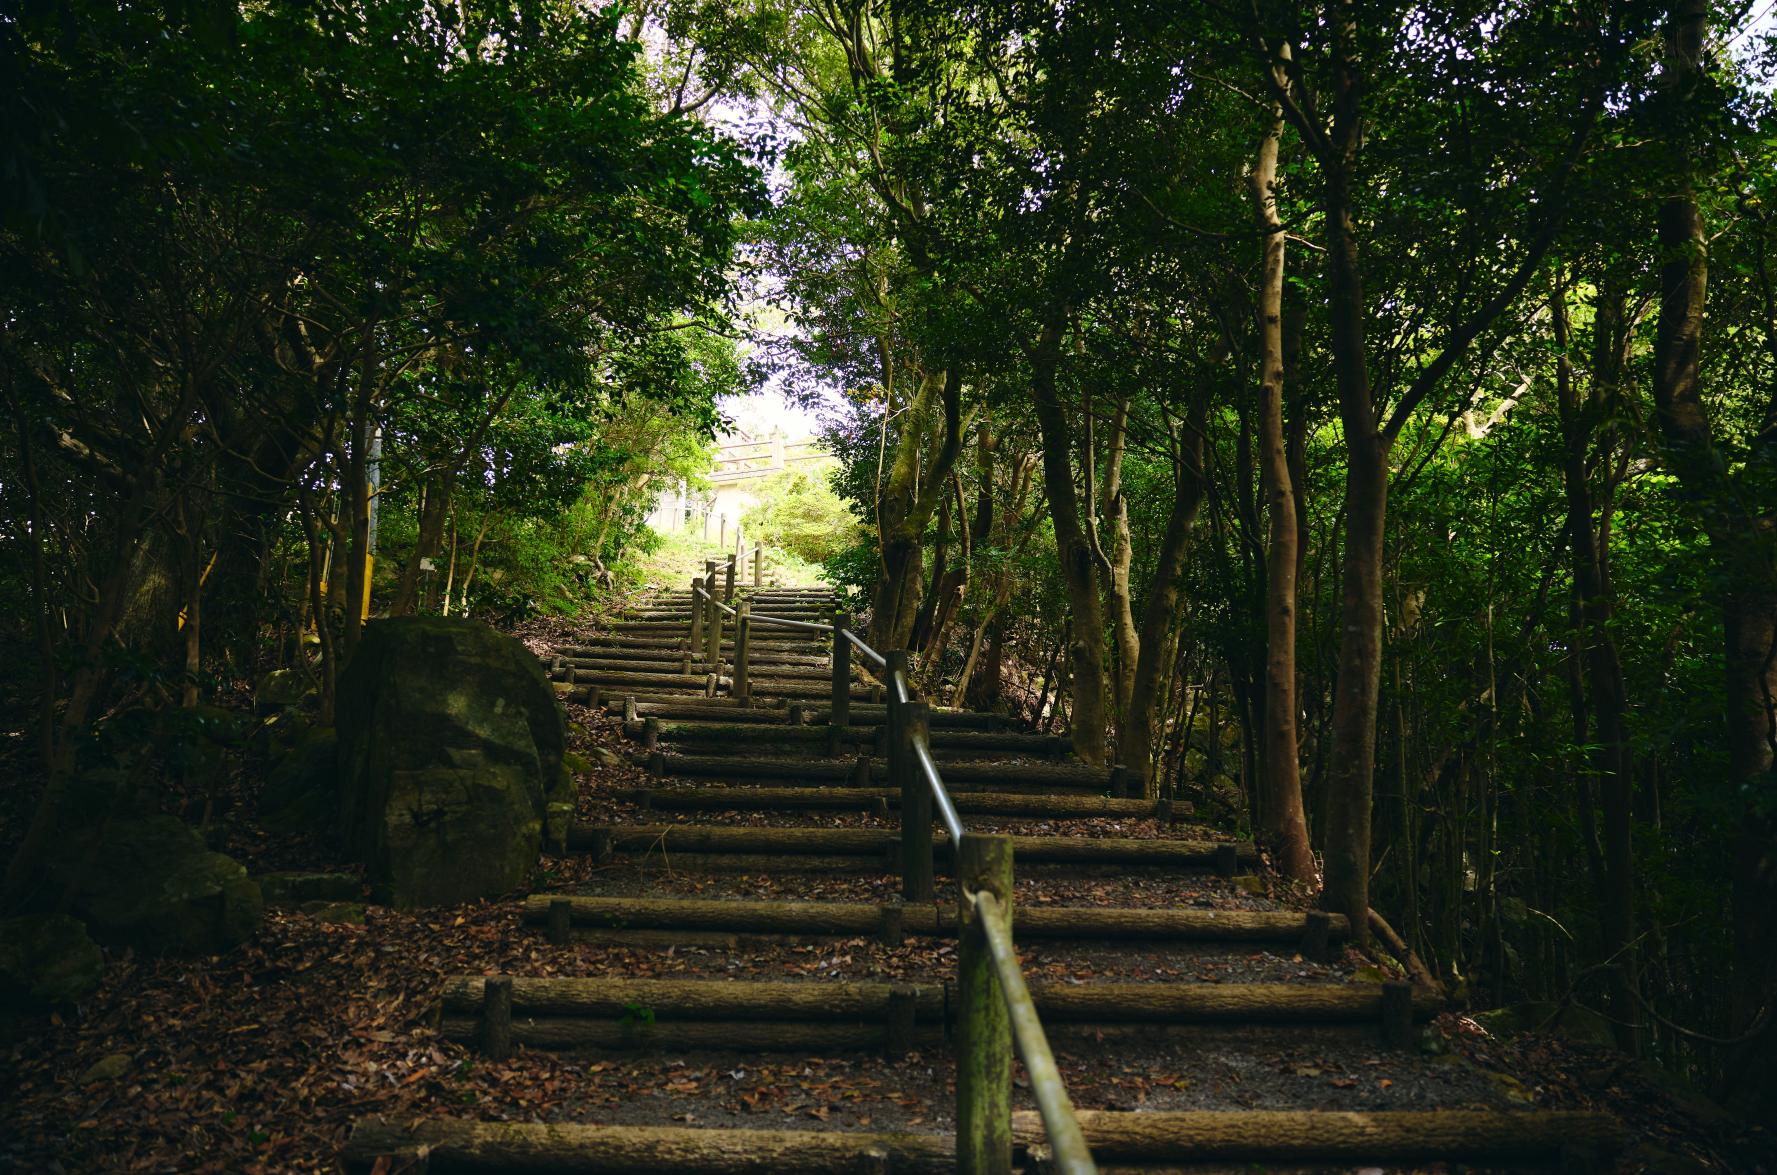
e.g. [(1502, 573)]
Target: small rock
[(1250, 883), (295, 888), (575, 763), (107, 1068), (606, 757), (335, 912)]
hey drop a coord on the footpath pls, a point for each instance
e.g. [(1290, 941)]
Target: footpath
[(927, 891)]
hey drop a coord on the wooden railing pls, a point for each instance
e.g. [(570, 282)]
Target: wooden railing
[(995, 1012)]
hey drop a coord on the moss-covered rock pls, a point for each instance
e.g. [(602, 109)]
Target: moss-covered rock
[(301, 791), (295, 888), (148, 882), (46, 961), (281, 689), (351, 913), (450, 759)]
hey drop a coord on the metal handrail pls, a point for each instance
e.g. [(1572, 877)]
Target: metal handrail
[(1066, 1140), (871, 655), (953, 823), (786, 622), (716, 602), (1060, 1123)]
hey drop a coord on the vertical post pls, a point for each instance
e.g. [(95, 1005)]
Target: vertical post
[(902, 1018), (758, 565), (561, 914), (722, 533), (743, 624), (841, 715), (1397, 1014), (709, 600), (913, 723), (728, 588), (984, 1030), (496, 1017), (696, 615), (712, 619)]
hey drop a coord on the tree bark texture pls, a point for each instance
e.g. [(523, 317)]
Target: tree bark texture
[(1078, 567), (1285, 825)]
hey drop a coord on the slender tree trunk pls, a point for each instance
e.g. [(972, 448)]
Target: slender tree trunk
[(434, 510), (1284, 825), (1135, 738), (1608, 695), (1078, 567), (1115, 508), (1353, 751), (904, 507)]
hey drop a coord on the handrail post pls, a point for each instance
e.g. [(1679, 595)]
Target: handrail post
[(728, 590), (841, 715), (697, 610), (913, 724), (710, 611), (758, 565), (713, 631), (743, 624), (984, 1029)]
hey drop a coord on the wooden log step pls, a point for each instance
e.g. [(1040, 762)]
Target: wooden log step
[(816, 715), (963, 741), (491, 1147), (853, 919), (616, 677), (1028, 775), (1349, 1138), (640, 1031), (761, 656), (808, 688), (875, 714), (675, 665), (702, 999), (1032, 804), (816, 612), (1356, 1138), (822, 1001), (878, 842)]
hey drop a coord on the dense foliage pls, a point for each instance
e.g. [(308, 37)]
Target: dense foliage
[(1358, 418), (313, 309)]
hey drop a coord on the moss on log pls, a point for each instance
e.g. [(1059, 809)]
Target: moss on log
[(1322, 1136), (847, 919), (641, 1150)]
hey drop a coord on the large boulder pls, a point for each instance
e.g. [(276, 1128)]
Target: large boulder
[(148, 881), (450, 761), (46, 961)]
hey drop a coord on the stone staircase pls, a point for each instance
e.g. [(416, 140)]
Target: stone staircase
[(1151, 946)]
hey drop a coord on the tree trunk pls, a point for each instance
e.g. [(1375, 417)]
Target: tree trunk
[(1740, 541), (1078, 567), (1135, 738), (434, 509), (1353, 751), (904, 508), (1284, 825), (1115, 508), (1608, 695)]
